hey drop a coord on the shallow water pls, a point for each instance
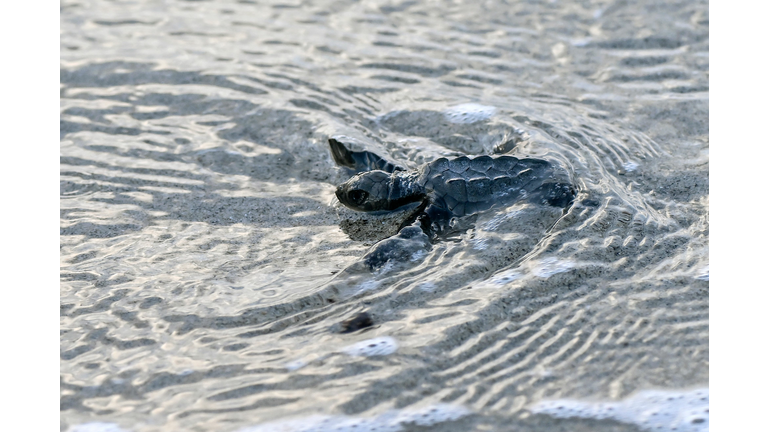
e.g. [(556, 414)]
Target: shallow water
[(205, 264)]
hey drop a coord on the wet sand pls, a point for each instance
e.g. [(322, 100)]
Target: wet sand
[(206, 266)]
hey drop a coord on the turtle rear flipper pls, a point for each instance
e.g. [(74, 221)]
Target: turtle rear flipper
[(360, 160), (555, 194)]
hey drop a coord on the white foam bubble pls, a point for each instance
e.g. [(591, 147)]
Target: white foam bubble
[(656, 410), (307, 424), (469, 113), (296, 364), (390, 421), (493, 223), (550, 266), (97, 427), (433, 414), (379, 346), (479, 243), (630, 166), (368, 285), (703, 274), (506, 277), (418, 255), (427, 286)]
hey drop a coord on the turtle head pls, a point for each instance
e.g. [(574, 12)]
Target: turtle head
[(368, 191)]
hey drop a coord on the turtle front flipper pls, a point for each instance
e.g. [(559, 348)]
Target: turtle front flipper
[(414, 238), (360, 160), (409, 245), (433, 219)]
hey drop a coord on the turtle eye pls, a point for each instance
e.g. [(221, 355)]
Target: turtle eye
[(357, 196)]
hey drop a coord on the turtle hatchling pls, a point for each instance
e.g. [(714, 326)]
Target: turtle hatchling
[(447, 189)]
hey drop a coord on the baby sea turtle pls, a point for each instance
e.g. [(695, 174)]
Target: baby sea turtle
[(445, 190)]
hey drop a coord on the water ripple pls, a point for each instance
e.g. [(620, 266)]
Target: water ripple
[(206, 266)]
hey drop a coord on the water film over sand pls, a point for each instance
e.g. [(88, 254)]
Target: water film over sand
[(206, 265)]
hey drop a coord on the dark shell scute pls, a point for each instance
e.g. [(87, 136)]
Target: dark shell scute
[(449, 175), (460, 164), (432, 182), (481, 164), (479, 189), (524, 176), (501, 185), (494, 173), (472, 174), (458, 190), (438, 166), (505, 163)]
